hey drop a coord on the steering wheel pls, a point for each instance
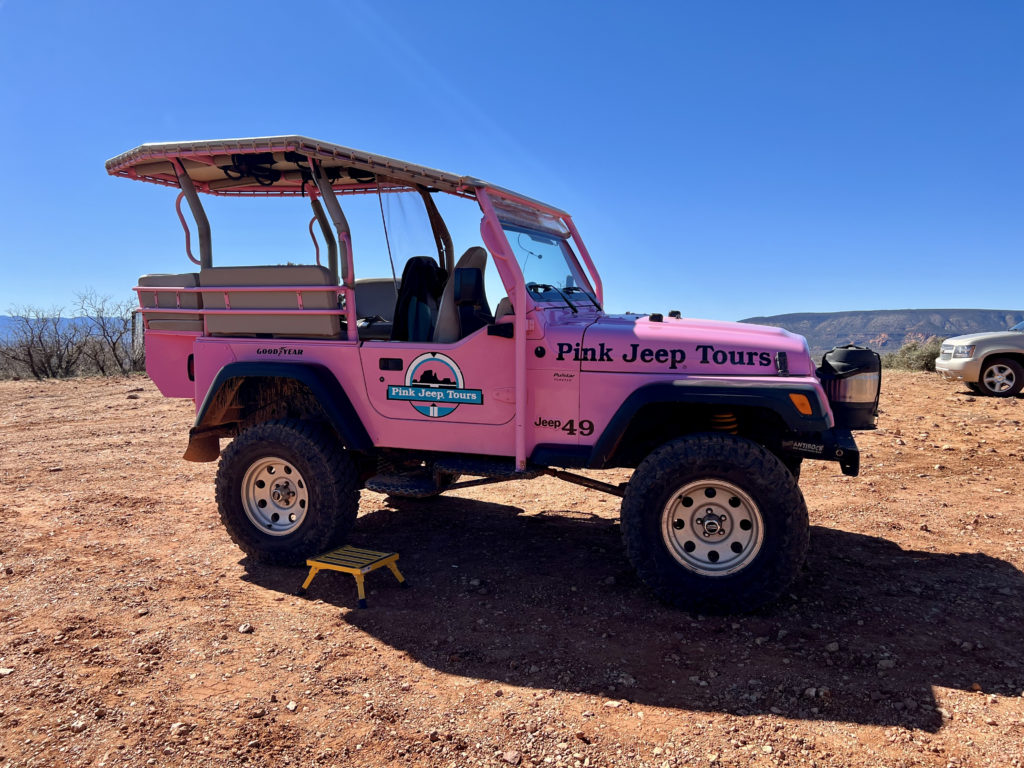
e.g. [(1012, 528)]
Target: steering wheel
[(539, 287)]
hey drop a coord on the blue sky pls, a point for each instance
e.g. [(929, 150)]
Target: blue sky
[(727, 159)]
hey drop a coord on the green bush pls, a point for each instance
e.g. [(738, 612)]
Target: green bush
[(914, 356)]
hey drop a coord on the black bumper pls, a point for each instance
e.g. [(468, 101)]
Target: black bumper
[(831, 445)]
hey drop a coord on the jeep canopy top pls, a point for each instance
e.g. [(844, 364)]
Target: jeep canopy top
[(280, 166)]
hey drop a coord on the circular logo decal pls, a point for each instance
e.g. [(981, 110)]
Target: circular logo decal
[(434, 386), (437, 376)]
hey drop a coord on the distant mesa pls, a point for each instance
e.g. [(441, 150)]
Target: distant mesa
[(886, 330), (429, 378)]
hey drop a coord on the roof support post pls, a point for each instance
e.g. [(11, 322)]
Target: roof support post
[(598, 287), (443, 239), (325, 228), (337, 215), (196, 206), (494, 238)]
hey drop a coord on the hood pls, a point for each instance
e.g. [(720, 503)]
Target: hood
[(1013, 338), (628, 343)]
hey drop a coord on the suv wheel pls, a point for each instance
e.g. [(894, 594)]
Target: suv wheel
[(1002, 377), (286, 490), (715, 523)]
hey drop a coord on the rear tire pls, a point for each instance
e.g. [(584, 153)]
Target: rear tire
[(286, 491), (715, 523)]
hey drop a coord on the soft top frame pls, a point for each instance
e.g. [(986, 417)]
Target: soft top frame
[(278, 166)]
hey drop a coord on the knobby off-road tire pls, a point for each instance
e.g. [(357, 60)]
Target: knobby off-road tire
[(793, 465), (1001, 377), (715, 523), (286, 490)]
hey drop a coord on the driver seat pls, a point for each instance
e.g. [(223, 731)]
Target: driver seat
[(417, 305)]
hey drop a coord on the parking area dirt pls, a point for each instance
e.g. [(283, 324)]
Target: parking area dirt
[(133, 633)]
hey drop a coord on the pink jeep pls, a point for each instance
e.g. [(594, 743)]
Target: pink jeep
[(326, 383)]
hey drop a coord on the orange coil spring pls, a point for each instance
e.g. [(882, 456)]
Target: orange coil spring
[(725, 422)]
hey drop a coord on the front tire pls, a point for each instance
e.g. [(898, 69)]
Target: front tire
[(1001, 377), (287, 490), (715, 523)]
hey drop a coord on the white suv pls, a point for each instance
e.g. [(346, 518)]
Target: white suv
[(988, 363)]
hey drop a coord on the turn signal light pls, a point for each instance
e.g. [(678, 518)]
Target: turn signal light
[(801, 402)]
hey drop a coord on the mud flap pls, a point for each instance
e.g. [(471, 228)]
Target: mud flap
[(202, 446)]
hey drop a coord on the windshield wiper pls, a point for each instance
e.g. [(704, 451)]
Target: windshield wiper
[(544, 288), (577, 289)]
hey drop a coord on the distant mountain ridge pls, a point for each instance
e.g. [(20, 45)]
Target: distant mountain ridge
[(886, 330)]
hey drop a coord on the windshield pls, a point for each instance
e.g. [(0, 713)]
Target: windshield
[(549, 267), (1018, 327)]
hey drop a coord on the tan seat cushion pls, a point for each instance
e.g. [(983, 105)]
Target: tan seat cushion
[(159, 321), (278, 326)]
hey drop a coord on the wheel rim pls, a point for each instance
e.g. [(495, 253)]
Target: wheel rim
[(712, 527), (274, 496), (999, 378)]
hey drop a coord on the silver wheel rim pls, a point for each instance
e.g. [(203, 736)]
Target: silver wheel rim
[(999, 378), (274, 496), (712, 527)]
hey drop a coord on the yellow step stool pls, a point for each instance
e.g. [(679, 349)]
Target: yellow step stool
[(355, 561)]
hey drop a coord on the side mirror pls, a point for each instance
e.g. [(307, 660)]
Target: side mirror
[(469, 286)]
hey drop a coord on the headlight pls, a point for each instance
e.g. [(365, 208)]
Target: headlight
[(963, 350)]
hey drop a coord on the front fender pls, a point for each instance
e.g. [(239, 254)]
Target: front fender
[(775, 398)]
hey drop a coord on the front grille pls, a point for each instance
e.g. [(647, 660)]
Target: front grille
[(946, 352)]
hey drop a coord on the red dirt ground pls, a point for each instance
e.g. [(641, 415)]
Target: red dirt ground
[(526, 639)]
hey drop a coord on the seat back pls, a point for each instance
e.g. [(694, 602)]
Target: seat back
[(160, 321), (376, 297), (274, 325), (418, 300), (375, 307), (457, 319)]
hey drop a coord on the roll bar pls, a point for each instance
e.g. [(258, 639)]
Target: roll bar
[(202, 223), (325, 228), (442, 238), (338, 217)]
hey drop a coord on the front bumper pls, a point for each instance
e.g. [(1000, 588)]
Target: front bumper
[(831, 445), (959, 369)]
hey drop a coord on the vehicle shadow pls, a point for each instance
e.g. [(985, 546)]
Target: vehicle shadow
[(549, 601)]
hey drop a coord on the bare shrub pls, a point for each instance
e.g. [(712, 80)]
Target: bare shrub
[(109, 349), (43, 344)]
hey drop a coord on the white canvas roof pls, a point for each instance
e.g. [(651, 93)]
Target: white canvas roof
[(278, 165)]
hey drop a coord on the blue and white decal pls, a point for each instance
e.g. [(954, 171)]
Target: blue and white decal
[(434, 386)]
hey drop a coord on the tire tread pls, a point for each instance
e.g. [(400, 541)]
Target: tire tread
[(333, 471), (724, 455)]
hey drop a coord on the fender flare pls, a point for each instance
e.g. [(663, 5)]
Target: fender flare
[(714, 393), (331, 396)]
